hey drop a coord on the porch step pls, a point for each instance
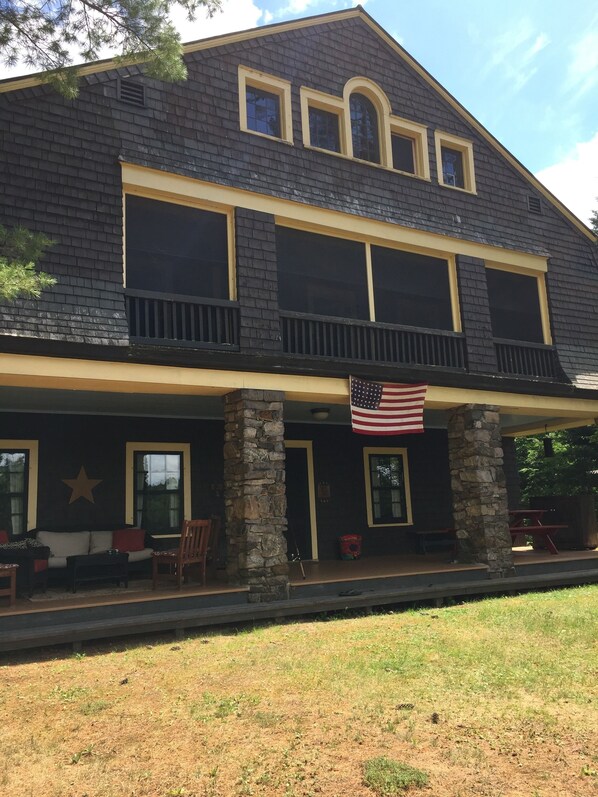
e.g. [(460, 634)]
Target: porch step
[(58, 629)]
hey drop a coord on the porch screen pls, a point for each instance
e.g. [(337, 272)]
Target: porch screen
[(321, 275), (14, 467), (177, 249), (387, 486), (159, 491), (411, 289), (514, 306)]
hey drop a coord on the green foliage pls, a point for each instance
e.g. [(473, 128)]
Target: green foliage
[(45, 34), (594, 221), (19, 251), (568, 472), (387, 777)]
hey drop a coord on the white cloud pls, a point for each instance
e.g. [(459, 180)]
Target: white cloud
[(582, 74), (513, 52), (574, 180), (236, 15)]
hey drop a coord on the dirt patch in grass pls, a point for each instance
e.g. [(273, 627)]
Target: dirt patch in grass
[(490, 699)]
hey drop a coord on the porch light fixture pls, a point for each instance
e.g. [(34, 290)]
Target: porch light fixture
[(320, 413)]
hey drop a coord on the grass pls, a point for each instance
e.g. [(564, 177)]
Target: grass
[(388, 778), (497, 698)]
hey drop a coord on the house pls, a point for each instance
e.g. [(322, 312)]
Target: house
[(309, 204)]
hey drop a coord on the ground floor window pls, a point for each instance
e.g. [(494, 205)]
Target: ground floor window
[(158, 486), (387, 486), (18, 485)]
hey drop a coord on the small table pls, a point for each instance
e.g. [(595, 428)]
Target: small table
[(97, 567), (529, 521), (9, 572)]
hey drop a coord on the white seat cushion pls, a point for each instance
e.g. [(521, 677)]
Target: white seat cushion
[(56, 561), (65, 543), (139, 556), (100, 541)]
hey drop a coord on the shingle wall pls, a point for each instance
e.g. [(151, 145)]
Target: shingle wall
[(62, 170)]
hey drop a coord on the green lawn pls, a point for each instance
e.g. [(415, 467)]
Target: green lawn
[(497, 698)]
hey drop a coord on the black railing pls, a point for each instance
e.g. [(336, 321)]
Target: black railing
[(518, 358), (182, 320), (322, 336)]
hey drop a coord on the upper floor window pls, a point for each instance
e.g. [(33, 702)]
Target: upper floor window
[(360, 125), (324, 275), (518, 307), (364, 128), (265, 104), (178, 249), (454, 160)]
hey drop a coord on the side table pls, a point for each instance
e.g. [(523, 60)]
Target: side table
[(97, 567), (9, 572)]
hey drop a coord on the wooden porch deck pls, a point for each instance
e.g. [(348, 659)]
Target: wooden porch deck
[(328, 586)]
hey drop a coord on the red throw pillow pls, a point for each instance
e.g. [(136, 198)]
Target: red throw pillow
[(128, 540), (3, 537)]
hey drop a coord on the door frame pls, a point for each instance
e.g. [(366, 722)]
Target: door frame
[(311, 489)]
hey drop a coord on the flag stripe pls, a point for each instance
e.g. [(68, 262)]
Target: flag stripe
[(386, 409)]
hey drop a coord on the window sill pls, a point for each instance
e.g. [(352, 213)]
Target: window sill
[(456, 188), (290, 143), (366, 163)]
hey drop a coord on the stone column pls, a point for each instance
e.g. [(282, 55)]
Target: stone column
[(254, 493), (479, 487)]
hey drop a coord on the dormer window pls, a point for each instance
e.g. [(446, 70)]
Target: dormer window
[(364, 128)]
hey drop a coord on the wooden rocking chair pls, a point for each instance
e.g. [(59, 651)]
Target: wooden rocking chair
[(192, 550)]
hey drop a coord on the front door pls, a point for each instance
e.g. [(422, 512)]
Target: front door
[(299, 533)]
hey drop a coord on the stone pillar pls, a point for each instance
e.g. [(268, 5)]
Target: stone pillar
[(254, 493), (479, 487)]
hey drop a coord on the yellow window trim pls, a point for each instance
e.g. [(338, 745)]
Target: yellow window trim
[(179, 448), (274, 85), (311, 486), (466, 149), (32, 446), (177, 199), (140, 178), (387, 125), (542, 294), (402, 452), (368, 243)]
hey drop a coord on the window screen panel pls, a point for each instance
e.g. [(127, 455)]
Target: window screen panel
[(411, 289), (320, 274), (324, 130), (403, 157), (514, 306), (176, 249), (263, 111)]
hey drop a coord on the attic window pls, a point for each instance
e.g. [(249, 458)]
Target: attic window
[(131, 92), (534, 205), (265, 105), (454, 159)]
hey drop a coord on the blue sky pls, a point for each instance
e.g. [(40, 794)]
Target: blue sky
[(526, 69)]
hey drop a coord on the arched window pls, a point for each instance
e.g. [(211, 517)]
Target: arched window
[(364, 128)]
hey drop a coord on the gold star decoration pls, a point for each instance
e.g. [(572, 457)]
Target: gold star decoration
[(82, 486)]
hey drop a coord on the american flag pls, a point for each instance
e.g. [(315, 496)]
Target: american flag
[(386, 409)]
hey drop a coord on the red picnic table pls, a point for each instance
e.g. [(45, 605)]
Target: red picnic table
[(530, 521)]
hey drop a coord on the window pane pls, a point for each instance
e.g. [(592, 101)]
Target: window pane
[(320, 274), (324, 130), (411, 289), (388, 488), (176, 249), (13, 491), (452, 167), (263, 111), (158, 491), (364, 129), (514, 306), (402, 153)]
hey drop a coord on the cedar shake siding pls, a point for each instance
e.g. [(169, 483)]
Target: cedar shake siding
[(61, 175)]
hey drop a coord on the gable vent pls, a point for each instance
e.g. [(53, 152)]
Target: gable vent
[(534, 205), (132, 93)]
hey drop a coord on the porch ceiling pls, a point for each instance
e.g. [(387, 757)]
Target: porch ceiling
[(82, 402)]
